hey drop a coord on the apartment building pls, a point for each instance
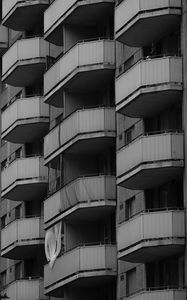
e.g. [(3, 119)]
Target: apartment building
[(93, 125)]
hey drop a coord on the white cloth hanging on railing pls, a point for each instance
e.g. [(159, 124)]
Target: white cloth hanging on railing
[(53, 243)]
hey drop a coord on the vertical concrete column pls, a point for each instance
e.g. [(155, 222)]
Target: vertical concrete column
[(184, 109)]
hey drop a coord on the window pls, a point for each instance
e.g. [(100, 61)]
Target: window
[(130, 208), (18, 271), (131, 282), (3, 221), (3, 278), (129, 135), (18, 212)]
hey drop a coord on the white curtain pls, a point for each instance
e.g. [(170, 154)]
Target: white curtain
[(53, 243)]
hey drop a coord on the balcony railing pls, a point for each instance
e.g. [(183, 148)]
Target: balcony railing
[(3, 39), (151, 84), (80, 125), (146, 231), (85, 192), (24, 179), (100, 260), (150, 160), (26, 288), (22, 14), (23, 234), (86, 56), (25, 119), (161, 293), (155, 18), (25, 61)]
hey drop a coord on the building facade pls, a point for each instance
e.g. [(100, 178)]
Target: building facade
[(93, 145)]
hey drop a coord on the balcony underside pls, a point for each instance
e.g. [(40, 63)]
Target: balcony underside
[(25, 72), (91, 143), (82, 280), (151, 174), (24, 249), (85, 212), (25, 189), (26, 131), (83, 79), (151, 250), (23, 15), (154, 26), (81, 14), (149, 101)]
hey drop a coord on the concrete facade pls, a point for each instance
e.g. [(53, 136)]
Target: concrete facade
[(93, 137)]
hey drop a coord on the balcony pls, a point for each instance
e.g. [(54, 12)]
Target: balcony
[(3, 39), (85, 67), (86, 263), (23, 289), (84, 131), (73, 12), (152, 18), (150, 161), (25, 120), (161, 294), (151, 235), (25, 61), (85, 198), (22, 238), (149, 87), (24, 179), (21, 15)]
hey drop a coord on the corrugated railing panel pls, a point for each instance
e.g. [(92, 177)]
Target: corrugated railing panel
[(125, 11), (43, 170), (56, 10), (150, 148), (81, 55), (131, 80), (29, 228), (65, 265), (52, 141), (88, 258), (9, 58), (3, 34), (22, 229), (24, 49), (156, 147), (8, 235), (23, 168), (69, 128), (129, 9), (160, 295), (85, 189), (124, 233), (155, 225), (92, 258), (91, 120), (9, 116), (109, 52), (149, 72), (158, 4), (134, 153), (80, 122), (24, 108), (178, 223), (52, 206), (7, 5)]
